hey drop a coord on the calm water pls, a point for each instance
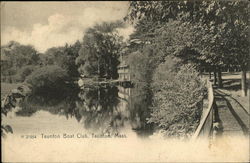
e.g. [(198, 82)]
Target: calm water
[(102, 111), (99, 110)]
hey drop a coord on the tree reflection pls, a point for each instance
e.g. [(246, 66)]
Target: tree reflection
[(102, 110), (97, 107), (140, 101), (60, 104), (105, 110)]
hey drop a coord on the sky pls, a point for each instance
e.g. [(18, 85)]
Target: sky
[(48, 24)]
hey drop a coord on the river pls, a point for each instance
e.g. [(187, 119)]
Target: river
[(107, 110), (101, 124)]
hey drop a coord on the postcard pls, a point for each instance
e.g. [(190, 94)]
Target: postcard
[(125, 81)]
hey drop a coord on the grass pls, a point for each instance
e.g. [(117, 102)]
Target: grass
[(232, 87), (236, 94), (7, 87)]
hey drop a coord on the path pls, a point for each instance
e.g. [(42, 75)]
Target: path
[(234, 117)]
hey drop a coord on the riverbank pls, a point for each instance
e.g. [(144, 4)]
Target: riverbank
[(86, 82)]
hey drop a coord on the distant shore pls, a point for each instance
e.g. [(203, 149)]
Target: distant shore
[(94, 82)]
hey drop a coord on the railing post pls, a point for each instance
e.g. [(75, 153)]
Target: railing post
[(205, 127)]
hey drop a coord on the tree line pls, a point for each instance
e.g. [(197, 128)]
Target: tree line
[(213, 35), (95, 56), (173, 43)]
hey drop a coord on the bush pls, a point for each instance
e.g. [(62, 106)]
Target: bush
[(48, 79), (24, 72), (178, 95)]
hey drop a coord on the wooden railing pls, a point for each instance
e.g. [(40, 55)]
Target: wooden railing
[(205, 127)]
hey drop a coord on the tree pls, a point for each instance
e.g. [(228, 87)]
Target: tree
[(52, 55), (171, 39), (99, 53), (48, 80), (180, 40), (24, 55), (24, 72), (16, 56), (223, 25), (141, 68), (160, 31), (237, 42), (64, 57), (226, 41)]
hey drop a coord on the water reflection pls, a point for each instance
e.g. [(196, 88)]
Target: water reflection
[(97, 107), (103, 110), (59, 105), (139, 102)]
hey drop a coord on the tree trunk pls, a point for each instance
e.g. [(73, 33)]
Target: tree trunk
[(215, 78), (244, 83), (220, 84)]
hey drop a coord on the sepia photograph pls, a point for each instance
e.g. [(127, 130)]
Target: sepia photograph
[(125, 81)]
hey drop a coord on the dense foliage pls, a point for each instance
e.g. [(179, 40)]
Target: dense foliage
[(48, 79), (24, 72), (64, 57), (223, 26), (140, 67), (177, 100), (99, 53), (14, 56)]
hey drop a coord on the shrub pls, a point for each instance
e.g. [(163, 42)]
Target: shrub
[(24, 72), (47, 79), (178, 95)]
